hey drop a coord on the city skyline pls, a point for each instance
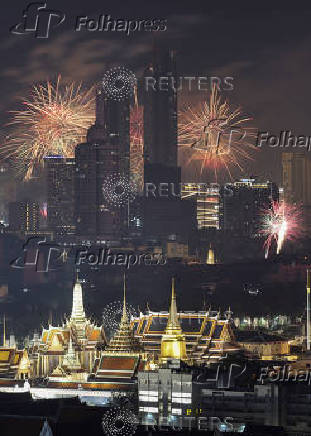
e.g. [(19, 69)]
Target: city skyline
[(155, 218)]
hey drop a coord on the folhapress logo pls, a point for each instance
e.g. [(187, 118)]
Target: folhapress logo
[(37, 19)]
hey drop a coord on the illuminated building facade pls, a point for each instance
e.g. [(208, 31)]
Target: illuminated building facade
[(207, 203), (242, 204), (24, 216), (164, 395), (14, 364), (264, 346), (60, 194)]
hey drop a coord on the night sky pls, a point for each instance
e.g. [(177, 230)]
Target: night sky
[(265, 48)]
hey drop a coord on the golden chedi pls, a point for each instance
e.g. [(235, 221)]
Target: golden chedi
[(173, 344)]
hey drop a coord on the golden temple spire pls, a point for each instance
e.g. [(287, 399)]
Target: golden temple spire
[(124, 313), (172, 322), (173, 345)]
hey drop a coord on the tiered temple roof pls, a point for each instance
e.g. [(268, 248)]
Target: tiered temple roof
[(124, 340), (122, 357)]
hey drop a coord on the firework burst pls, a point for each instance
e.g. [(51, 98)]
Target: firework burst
[(137, 145), (215, 135), (118, 190), (281, 222), (52, 121), (112, 314), (119, 421), (119, 83)]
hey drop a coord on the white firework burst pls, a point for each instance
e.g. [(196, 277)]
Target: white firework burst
[(112, 314), (119, 422), (119, 83), (118, 190)]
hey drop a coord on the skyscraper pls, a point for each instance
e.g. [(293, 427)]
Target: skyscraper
[(296, 175), (105, 154), (160, 119), (164, 215), (60, 194)]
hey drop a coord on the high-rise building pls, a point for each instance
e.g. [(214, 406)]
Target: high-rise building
[(24, 216), (60, 194), (296, 172), (242, 204), (207, 201), (160, 119), (104, 155), (164, 214)]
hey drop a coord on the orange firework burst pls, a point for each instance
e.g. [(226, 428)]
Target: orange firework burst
[(137, 145), (215, 135), (53, 121)]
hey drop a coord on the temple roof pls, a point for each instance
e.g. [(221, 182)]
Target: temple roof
[(123, 341)]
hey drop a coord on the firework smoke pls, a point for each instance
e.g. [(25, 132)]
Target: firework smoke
[(53, 121), (215, 135)]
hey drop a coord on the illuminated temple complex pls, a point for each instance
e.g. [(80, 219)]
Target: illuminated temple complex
[(77, 355), (194, 337), (73, 344)]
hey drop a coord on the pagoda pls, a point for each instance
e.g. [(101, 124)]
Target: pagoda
[(123, 357), (123, 341)]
